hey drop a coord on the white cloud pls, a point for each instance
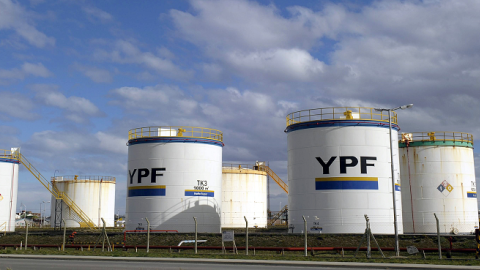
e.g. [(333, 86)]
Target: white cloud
[(37, 70), (94, 13), (67, 151), (14, 16), (76, 109), (246, 25), (97, 75), (280, 64), (111, 143), (16, 106), (126, 52)]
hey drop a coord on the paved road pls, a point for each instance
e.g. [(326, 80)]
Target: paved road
[(21, 264), (65, 262)]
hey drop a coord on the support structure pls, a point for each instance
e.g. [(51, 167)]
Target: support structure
[(148, 234), (246, 235), (368, 233), (196, 239), (306, 239), (105, 237), (438, 236), (57, 221)]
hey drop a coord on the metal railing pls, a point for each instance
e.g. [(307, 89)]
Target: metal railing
[(3, 228), (275, 217), (175, 131), (6, 154), (339, 113), (84, 178), (52, 188), (437, 136), (262, 167), (239, 166)]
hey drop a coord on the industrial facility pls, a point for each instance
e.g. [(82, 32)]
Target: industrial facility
[(339, 170), (244, 196), (174, 178), (95, 195), (8, 189), (344, 164), (438, 176)]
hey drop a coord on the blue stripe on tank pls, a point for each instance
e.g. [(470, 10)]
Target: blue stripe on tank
[(174, 140), (339, 123)]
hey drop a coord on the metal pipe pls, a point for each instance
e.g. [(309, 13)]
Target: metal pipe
[(148, 235), (64, 233), (246, 235), (397, 250), (195, 219), (438, 237), (26, 235), (305, 230)]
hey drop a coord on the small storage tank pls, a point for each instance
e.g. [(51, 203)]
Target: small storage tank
[(339, 169), (8, 189), (244, 190), (174, 175), (94, 195), (438, 176)]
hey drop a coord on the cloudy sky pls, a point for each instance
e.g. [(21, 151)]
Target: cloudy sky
[(75, 76)]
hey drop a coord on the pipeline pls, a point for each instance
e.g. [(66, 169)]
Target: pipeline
[(78, 246), (139, 231)]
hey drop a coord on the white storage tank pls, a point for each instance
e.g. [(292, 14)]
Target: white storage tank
[(244, 190), (8, 189), (438, 176), (94, 195), (339, 169), (174, 175)]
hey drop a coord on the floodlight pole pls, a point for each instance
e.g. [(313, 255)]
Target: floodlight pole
[(397, 249)]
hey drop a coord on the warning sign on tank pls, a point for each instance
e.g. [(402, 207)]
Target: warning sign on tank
[(445, 188)]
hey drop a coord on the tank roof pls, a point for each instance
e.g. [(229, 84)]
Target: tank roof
[(83, 178), (175, 131), (438, 138), (340, 113)]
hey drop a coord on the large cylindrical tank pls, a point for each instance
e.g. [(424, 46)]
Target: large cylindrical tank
[(8, 189), (244, 190), (438, 177), (94, 195), (174, 175), (339, 169)]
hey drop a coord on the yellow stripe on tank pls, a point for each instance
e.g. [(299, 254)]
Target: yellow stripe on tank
[(346, 179), (146, 187), (195, 190)]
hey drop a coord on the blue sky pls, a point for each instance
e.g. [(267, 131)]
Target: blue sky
[(75, 76)]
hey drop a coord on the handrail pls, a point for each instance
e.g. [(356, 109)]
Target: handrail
[(437, 136), (7, 154), (84, 178), (53, 189), (175, 131), (278, 215), (4, 224), (339, 113), (265, 168)]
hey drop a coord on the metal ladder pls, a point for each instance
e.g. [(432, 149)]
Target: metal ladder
[(278, 215), (273, 175), (85, 221)]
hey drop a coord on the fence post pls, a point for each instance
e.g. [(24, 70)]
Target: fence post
[(438, 237), (305, 230), (64, 233), (246, 235), (195, 219), (148, 235), (26, 234)]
